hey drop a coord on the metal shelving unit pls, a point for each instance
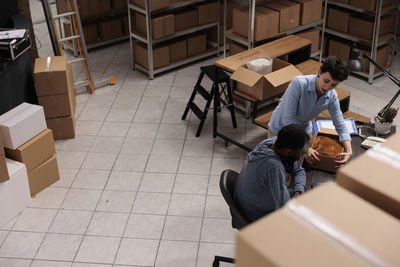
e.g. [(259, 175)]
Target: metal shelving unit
[(250, 43), (212, 48), (377, 40)]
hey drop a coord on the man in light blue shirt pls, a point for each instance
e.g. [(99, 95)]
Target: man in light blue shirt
[(309, 95)]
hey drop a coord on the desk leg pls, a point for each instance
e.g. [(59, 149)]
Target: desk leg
[(215, 93)]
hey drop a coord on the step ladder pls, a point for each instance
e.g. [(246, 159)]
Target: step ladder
[(76, 36), (220, 79)]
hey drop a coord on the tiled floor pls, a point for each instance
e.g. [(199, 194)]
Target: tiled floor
[(137, 187)]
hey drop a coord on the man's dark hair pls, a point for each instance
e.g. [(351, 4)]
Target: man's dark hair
[(291, 136), (336, 67)]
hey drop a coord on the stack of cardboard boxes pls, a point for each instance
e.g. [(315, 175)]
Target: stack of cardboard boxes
[(27, 140), (55, 90), (4, 176)]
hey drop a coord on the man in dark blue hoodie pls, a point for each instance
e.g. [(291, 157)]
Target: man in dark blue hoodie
[(261, 187)]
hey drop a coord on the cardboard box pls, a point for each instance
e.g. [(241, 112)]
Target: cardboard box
[(186, 20), (21, 124), (154, 4), (99, 7), (341, 1), (51, 76), (62, 127), (363, 26), (230, 5), (44, 175), (327, 226), (91, 33), (196, 45), (313, 36), (178, 51), (207, 13), (160, 56), (119, 4), (125, 25), (35, 151), (338, 20), (374, 176), (263, 16), (212, 34), (84, 8), (326, 162), (310, 10), (235, 48), (4, 176), (368, 4), (382, 57), (161, 26), (14, 193), (339, 49), (289, 14), (266, 86), (110, 29), (62, 6)]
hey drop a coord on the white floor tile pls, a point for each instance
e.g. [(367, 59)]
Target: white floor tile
[(70, 159), (99, 161), (100, 101), (157, 182), (182, 228), (79, 143), (107, 224), (137, 252), (87, 127), (60, 247), (221, 164), (208, 250), (35, 220), (198, 148), (3, 235), (194, 165), (71, 222), (96, 249), (138, 146), (114, 129), (191, 184), (163, 164), (145, 226), (15, 262), (51, 198), (151, 203), (44, 263), (187, 205), (157, 91), (22, 245), (91, 179), (124, 180), (93, 114), (130, 162), (169, 131), (144, 130), (177, 254), (167, 147), (218, 230), (216, 207), (120, 115), (148, 116), (81, 199), (107, 144), (176, 104), (79, 264), (116, 201)]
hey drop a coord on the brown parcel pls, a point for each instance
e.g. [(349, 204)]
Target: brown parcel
[(178, 51), (369, 4), (51, 76), (313, 36), (263, 16), (375, 176), (110, 29), (34, 152), (62, 127), (382, 56), (99, 7), (235, 48), (161, 26), (118, 4), (44, 175), (326, 162), (311, 10), (363, 27), (292, 230), (207, 13), (338, 20), (186, 20), (90, 31), (154, 4), (4, 176), (339, 49), (197, 45), (265, 86), (289, 17), (160, 56)]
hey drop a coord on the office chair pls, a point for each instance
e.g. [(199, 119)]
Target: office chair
[(227, 185)]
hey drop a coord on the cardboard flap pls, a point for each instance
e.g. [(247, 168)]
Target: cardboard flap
[(245, 76), (331, 132), (282, 76)]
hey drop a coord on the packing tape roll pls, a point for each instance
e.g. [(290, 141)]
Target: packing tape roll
[(307, 215), (48, 64), (385, 155)]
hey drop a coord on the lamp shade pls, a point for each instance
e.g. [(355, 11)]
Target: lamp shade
[(354, 63)]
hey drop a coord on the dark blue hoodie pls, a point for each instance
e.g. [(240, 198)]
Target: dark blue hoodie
[(261, 187)]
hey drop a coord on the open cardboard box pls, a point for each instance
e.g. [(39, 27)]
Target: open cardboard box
[(266, 86), (375, 176), (326, 162)]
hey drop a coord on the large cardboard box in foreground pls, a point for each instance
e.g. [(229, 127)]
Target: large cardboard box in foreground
[(263, 87), (43, 176), (375, 176), (328, 226), (4, 176), (14, 193), (21, 124)]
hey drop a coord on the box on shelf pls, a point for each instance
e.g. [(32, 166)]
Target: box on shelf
[(382, 57), (363, 26), (118, 4), (84, 8), (160, 56), (154, 4), (374, 176), (340, 49), (326, 142), (212, 34), (208, 13), (43, 176), (62, 6), (99, 7), (230, 5), (235, 48), (125, 25), (313, 36), (339, 228), (338, 20), (3, 165), (161, 26), (62, 127), (341, 1), (34, 152), (266, 86), (89, 30), (263, 16), (289, 14), (14, 193), (368, 4), (178, 51), (310, 10), (196, 45), (21, 124), (110, 29), (186, 19)]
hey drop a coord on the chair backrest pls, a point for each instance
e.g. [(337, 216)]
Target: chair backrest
[(227, 186)]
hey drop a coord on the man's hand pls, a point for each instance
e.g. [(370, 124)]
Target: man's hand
[(311, 155), (343, 158), (296, 194)]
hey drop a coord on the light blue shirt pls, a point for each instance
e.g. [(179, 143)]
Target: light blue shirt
[(300, 105)]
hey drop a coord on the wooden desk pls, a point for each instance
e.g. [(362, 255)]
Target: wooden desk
[(277, 48)]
